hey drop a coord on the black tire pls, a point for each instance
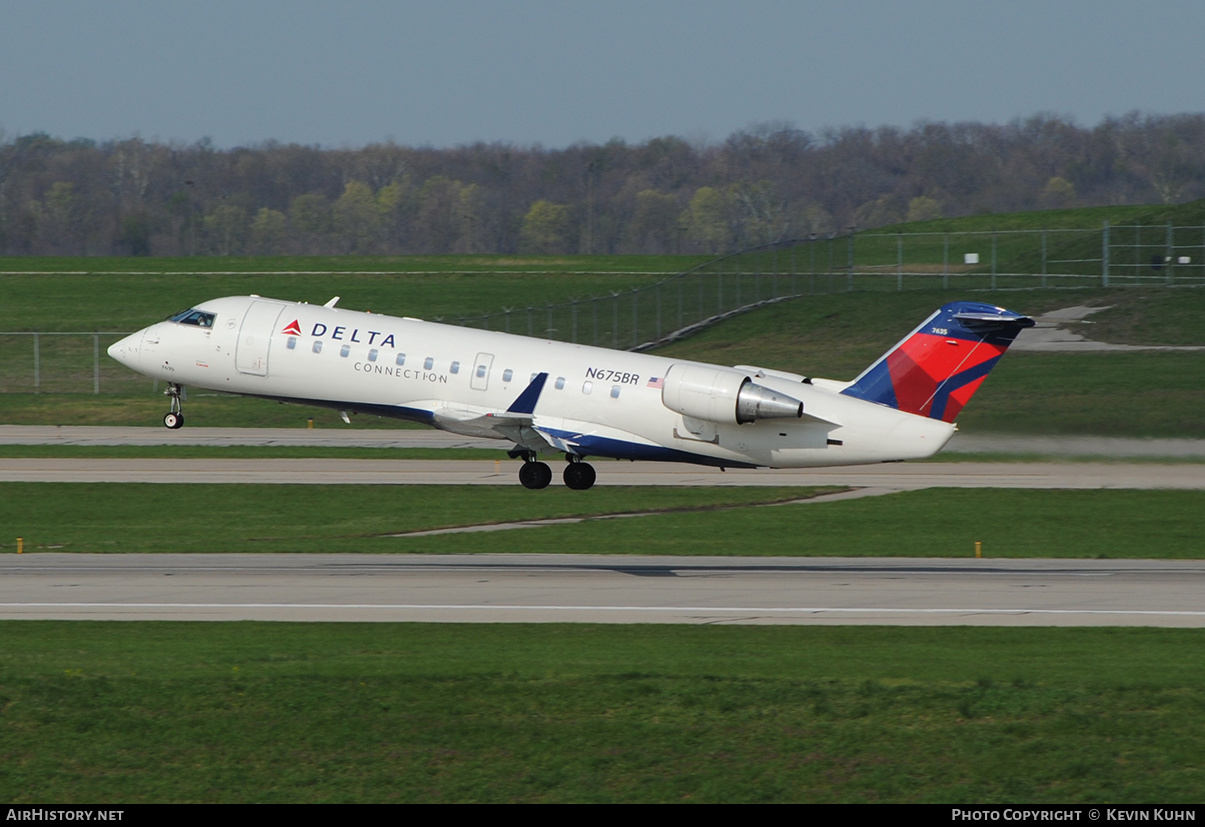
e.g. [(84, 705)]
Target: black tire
[(174, 421), (579, 475), (535, 475)]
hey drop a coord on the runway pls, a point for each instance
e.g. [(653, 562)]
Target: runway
[(603, 589), (1083, 446), (885, 477), (595, 588)]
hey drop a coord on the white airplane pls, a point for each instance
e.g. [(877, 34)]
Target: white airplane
[(551, 397)]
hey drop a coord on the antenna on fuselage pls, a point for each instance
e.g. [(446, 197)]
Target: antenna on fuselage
[(334, 300)]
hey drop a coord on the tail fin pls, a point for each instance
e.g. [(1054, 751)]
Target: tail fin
[(936, 368)]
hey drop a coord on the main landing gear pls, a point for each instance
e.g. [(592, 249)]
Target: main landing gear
[(579, 475), (535, 474), (174, 419)]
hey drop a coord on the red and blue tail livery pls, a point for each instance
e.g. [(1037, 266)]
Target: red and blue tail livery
[(936, 369)]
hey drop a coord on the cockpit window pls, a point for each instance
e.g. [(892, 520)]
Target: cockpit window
[(198, 317)]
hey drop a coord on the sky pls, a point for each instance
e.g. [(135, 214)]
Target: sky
[(557, 72)]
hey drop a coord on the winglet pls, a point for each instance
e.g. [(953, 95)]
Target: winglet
[(526, 403)]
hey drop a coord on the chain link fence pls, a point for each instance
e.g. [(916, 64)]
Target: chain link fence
[(672, 308)]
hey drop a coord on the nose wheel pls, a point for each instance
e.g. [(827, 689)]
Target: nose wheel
[(174, 419)]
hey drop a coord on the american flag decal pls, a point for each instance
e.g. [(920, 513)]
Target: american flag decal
[(657, 382)]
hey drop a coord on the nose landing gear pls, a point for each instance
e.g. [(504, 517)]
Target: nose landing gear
[(174, 419)]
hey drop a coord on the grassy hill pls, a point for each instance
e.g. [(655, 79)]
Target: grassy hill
[(831, 334)]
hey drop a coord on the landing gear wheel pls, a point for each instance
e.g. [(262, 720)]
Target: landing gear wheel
[(174, 419), (579, 475), (535, 475)]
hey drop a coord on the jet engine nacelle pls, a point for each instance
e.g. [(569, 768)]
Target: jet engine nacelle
[(724, 396)]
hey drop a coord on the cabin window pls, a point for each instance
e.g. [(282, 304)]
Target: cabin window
[(587, 386), (292, 345), (400, 360), (507, 375), (615, 391), (372, 355), (343, 351), (481, 371), (317, 346), (428, 363), (455, 367), (560, 383)]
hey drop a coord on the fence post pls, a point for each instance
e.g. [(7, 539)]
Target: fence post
[(658, 331), (1104, 255), (945, 262), (831, 274), (899, 262), (615, 320), (680, 306), (849, 273), (1043, 257), (993, 259), (1171, 254), (635, 318), (794, 272), (719, 289)]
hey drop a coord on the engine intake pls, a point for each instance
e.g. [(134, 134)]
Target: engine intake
[(724, 396)]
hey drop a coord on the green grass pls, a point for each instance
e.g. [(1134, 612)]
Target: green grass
[(84, 517), (127, 294), (274, 712), (930, 523), (835, 336), (1149, 394), (1103, 394)]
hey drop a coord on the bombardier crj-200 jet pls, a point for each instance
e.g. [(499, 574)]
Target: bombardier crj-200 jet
[(550, 397)]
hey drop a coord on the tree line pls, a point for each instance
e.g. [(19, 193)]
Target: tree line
[(665, 195)]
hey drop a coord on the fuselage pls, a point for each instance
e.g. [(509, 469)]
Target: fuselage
[(592, 401)]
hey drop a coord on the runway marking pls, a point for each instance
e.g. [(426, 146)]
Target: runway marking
[(703, 609)]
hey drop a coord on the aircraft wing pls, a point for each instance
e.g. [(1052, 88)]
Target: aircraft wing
[(516, 423)]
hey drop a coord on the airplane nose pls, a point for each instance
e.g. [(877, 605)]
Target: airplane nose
[(127, 350)]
